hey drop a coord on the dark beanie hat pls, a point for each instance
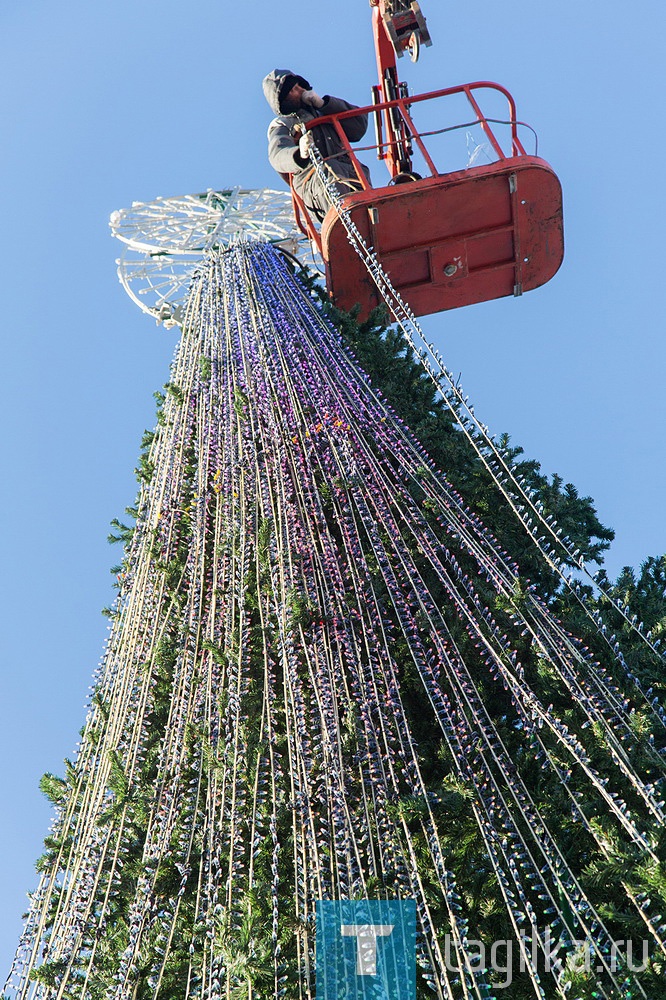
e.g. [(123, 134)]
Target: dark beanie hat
[(288, 82)]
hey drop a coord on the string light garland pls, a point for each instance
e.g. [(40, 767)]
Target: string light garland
[(304, 599)]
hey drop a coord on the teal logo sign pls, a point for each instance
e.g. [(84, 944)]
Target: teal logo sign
[(366, 949)]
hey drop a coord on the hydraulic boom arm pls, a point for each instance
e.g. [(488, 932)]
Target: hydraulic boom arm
[(398, 25)]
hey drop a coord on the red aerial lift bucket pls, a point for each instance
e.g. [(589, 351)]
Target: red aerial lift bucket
[(452, 240), (448, 239)]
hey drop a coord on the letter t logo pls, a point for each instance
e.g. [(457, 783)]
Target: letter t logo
[(366, 944)]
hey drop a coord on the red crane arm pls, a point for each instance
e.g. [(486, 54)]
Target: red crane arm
[(397, 25)]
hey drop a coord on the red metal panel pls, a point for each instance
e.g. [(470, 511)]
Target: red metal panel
[(408, 267), (499, 226)]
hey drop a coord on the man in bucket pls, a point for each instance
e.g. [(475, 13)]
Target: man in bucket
[(295, 103)]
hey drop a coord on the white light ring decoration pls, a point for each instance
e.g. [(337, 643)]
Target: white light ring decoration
[(166, 238), (193, 223)]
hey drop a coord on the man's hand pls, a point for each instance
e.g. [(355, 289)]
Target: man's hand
[(313, 99), (304, 144)]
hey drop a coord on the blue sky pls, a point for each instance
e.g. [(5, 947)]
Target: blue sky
[(104, 104)]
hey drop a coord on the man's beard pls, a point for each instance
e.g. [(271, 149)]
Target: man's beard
[(291, 105)]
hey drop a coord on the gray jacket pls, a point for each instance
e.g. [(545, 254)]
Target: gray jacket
[(283, 133)]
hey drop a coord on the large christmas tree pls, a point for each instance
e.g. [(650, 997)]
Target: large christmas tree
[(335, 672)]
